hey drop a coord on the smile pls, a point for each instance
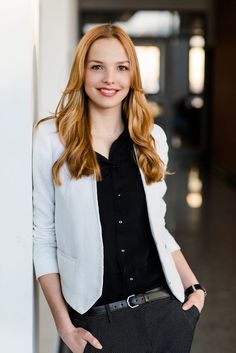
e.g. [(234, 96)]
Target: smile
[(107, 92)]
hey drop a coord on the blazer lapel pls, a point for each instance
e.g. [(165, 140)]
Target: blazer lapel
[(155, 204)]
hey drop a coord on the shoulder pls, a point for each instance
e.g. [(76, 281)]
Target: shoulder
[(46, 141), (46, 138), (45, 127), (160, 142), (45, 131), (158, 134)]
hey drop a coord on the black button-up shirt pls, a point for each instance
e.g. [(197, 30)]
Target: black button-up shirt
[(131, 260)]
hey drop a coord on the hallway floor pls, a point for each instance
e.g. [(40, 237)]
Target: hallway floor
[(208, 240)]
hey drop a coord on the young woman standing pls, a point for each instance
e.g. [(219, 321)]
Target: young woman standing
[(113, 276)]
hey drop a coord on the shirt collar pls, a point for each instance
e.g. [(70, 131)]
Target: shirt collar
[(120, 149)]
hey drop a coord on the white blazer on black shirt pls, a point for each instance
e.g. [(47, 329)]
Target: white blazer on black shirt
[(67, 235)]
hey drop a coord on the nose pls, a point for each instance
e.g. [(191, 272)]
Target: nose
[(108, 77)]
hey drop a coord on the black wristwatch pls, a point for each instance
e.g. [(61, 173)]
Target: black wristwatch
[(194, 288)]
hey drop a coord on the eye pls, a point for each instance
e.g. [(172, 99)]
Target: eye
[(123, 68), (96, 67)]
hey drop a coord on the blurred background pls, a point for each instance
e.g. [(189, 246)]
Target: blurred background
[(187, 53)]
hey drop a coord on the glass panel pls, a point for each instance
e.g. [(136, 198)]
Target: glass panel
[(196, 64), (149, 61)]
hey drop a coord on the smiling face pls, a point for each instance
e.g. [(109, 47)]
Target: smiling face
[(107, 74)]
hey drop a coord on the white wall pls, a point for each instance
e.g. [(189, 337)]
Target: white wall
[(18, 72), (38, 39), (58, 39)]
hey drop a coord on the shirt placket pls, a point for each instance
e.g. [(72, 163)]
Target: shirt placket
[(121, 231)]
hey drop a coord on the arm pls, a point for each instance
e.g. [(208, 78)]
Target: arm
[(44, 237), (51, 287), (162, 149), (45, 246), (75, 337), (188, 278), (185, 272)]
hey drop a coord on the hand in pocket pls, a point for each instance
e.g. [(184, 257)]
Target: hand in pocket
[(77, 338)]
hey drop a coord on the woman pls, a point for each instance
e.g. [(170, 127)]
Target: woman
[(113, 276)]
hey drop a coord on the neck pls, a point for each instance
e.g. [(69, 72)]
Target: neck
[(106, 121)]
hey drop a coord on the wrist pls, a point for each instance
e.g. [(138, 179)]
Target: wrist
[(193, 288), (64, 330)]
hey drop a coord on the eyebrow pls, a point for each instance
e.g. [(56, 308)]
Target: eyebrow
[(101, 62)]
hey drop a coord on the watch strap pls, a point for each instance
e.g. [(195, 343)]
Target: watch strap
[(193, 288)]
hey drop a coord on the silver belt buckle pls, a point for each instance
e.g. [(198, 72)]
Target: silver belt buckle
[(131, 306)]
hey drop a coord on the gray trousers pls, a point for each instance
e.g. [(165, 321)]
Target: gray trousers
[(161, 326)]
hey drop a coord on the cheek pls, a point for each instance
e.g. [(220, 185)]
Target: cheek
[(125, 85), (91, 78), (86, 86), (127, 81), (88, 80)]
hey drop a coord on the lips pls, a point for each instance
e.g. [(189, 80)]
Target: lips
[(107, 92)]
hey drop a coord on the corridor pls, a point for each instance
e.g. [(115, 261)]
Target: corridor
[(208, 240)]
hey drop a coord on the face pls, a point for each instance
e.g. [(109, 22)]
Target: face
[(107, 74)]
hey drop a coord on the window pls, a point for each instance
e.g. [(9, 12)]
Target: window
[(149, 62)]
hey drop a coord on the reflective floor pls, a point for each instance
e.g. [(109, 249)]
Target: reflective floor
[(208, 240)]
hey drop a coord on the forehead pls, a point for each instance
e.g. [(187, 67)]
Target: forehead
[(107, 49)]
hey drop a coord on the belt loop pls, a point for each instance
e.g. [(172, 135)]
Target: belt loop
[(108, 312)]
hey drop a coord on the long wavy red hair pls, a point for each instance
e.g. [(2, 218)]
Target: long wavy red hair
[(72, 122)]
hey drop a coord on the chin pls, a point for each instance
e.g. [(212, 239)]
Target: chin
[(106, 105)]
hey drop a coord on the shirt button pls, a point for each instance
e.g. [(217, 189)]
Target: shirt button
[(120, 222), (131, 278)]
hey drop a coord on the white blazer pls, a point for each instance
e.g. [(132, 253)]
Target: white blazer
[(67, 235)]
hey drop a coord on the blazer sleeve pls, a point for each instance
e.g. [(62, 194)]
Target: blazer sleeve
[(44, 237), (162, 150)]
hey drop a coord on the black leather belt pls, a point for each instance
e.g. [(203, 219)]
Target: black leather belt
[(132, 301)]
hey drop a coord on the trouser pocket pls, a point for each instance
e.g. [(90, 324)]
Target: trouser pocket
[(192, 315)]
